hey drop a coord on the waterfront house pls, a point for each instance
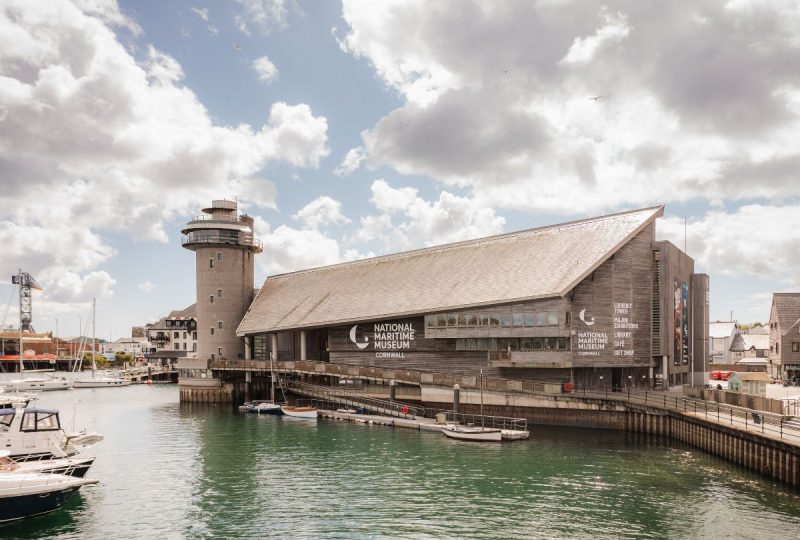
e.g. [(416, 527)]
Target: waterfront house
[(784, 336), (750, 352), (720, 336), (173, 337)]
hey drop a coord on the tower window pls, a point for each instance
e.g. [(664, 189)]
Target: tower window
[(219, 255), (211, 299), (219, 351), (211, 263), (212, 330), (219, 324), (219, 293)]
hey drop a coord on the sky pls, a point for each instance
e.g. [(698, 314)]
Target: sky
[(358, 128)]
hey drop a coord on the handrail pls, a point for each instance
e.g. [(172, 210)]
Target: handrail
[(391, 408)]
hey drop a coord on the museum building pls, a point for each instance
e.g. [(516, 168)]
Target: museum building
[(598, 302)]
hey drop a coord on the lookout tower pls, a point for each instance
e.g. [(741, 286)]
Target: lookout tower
[(224, 245)]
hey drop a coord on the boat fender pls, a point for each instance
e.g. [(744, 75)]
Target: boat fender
[(404, 409)]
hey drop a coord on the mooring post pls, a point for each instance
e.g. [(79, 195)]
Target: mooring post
[(456, 397)]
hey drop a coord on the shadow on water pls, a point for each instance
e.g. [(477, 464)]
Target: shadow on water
[(203, 471)]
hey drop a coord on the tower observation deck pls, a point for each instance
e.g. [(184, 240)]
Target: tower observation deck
[(224, 244)]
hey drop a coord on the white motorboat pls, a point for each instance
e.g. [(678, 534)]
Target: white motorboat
[(263, 407), (472, 433), (101, 382), (41, 383), (72, 466), (309, 413), (30, 494), (33, 434)]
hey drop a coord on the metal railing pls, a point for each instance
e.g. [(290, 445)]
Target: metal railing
[(341, 397), (494, 422), (751, 420)]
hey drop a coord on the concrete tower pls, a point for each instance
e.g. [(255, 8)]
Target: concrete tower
[(225, 247)]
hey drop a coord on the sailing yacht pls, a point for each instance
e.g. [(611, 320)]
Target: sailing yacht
[(97, 381)]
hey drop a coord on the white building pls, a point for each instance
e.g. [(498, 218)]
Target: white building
[(135, 347), (174, 336), (720, 337)]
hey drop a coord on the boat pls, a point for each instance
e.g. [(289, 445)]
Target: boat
[(98, 381), (71, 466), (32, 434), (45, 383), (300, 412), (472, 433), (262, 406), (31, 494)]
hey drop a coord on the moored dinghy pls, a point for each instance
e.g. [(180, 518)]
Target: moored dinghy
[(309, 413), (472, 433)]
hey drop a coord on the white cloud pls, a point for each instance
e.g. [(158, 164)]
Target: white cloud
[(450, 218), (90, 134), (146, 286), (261, 15), (584, 49), (755, 240), (351, 162), (201, 12), (265, 69), (320, 212), (700, 100)]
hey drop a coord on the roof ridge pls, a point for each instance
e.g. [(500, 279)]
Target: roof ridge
[(469, 242)]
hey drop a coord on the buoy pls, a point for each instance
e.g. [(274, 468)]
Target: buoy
[(404, 409)]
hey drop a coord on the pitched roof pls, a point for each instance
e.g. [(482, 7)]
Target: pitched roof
[(720, 329), (526, 265), (187, 313), (744, 342), (787, 306)]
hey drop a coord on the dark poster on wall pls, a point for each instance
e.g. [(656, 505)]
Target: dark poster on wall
[(680, 349)]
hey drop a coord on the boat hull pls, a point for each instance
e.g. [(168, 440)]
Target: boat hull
[(472, 434), (103, 383), (38, 385), (300, 412), (22, 506)]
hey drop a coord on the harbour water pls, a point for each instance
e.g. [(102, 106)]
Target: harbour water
[(168, 470)]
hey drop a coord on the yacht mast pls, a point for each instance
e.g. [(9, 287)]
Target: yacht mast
[(94, 342)]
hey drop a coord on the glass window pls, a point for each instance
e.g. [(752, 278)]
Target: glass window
[(547, 343), (541, 318), (502, 344), (194, 347), (462, 319), (459, 344), (484, 319), (529, 319), (472, 344), (184, 346), (514, 343), (219, 350), (430, 321), (494, 319), (212, 330), (211, 299), (483, 344), (537, 344), (219, 325), (176, 346), (795, 346), (219, 255), (505, 319), (567, 318), (184, 335), (552, 318), (562, 344), (525, 344), (472, 319), (194, 335), (211, 263), (452, 319), (492, 344), (441, 320), (219, 293), (518, 319)]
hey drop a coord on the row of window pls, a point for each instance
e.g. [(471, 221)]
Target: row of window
[(177, 347), (177, 335), (211, 298), (519, 319), (513, 344), (195, 374), (180, 324)]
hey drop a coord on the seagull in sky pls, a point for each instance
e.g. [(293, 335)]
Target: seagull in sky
[(237, 47), (597, 98)]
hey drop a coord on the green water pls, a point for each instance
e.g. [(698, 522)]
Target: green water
[(186, 471)]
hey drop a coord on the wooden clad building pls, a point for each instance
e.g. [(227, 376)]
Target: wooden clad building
[(599, 302)]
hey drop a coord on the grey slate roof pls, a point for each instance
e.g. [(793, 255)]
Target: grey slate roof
[(787, 306), (187, 313), (526, 265)]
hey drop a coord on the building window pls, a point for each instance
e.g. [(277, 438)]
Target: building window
[(567, 318), (219, 255), (211, 263), (441, 320), (795, 346), (194, 335), (212, 356), (184, 335), (219, 293), (219, 325), (194, 347), (212, 330), (777, 348), (177, 346), (184, 345), (175, 335), (219, 351), (211, 299)]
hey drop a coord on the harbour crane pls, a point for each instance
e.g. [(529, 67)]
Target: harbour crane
[(26, 283)]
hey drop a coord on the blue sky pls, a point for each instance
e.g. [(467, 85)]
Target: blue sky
[(387, 126)]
